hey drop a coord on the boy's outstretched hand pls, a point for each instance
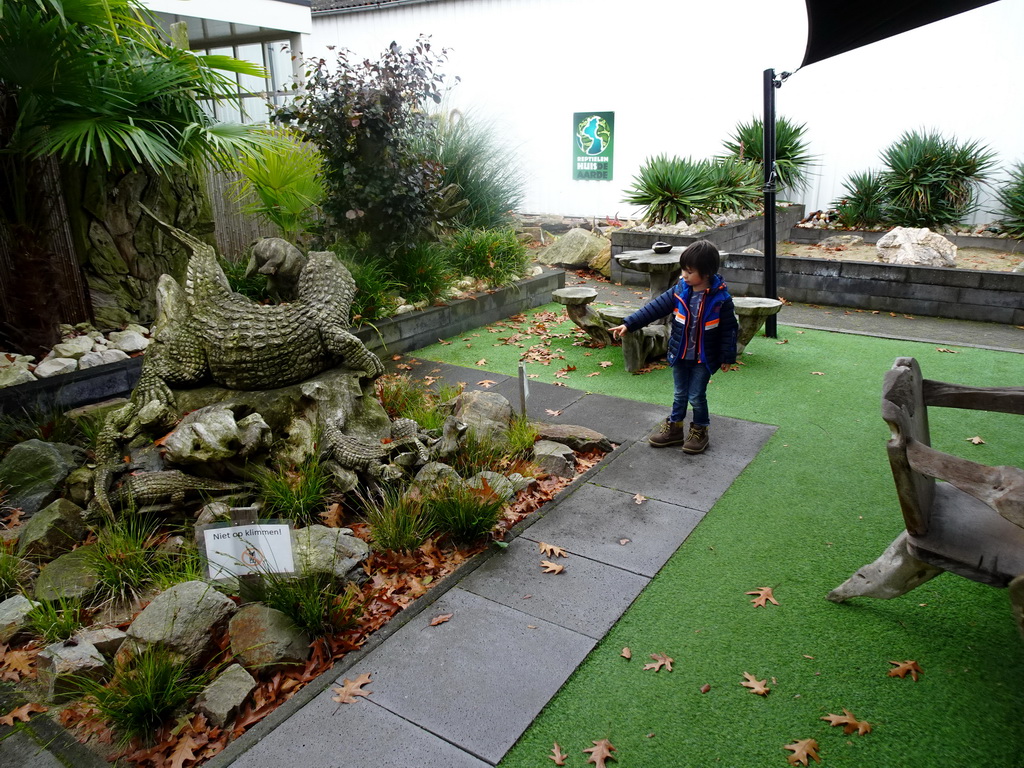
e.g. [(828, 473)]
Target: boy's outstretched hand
[(618, 331)]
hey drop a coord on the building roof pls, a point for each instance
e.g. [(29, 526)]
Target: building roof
[(320, 7)]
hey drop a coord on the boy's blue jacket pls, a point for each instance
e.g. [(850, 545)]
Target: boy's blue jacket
[(716, 318)]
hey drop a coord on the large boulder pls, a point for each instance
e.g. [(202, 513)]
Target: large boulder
[(181, 619), (335, 552), (33, 472), (222, 698), (922, 247), (62, 667), (52, 531), (71, 576), (577, 248), (215, 433), (576, 437), (486, 414), (265, 637)]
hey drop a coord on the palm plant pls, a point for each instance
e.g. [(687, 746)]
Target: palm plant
[(1011, 198), (793, 161), (90, 83), (932, 181)]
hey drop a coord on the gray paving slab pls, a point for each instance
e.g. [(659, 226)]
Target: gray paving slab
[(670, 475), (18, 748), (619, 420), (542, 398), (477, 680), (587, 597), (595, 521), (325, 734)]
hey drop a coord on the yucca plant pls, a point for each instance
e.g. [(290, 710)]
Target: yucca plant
[(496, 256), (863, 204), (793, 161), (932, 181), (1011, 197), (670, 189), (734, 185), (477, 159)]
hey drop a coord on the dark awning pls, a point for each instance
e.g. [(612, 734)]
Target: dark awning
[(837, 26)]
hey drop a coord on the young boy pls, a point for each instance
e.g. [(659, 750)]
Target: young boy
[(702, 340)]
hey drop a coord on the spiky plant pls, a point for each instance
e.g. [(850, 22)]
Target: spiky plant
[(793, 160), (670, 189), (862, 206), (1011, 197), (462, 512)]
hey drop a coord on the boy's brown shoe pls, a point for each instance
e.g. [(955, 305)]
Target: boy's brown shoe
[(697, 440), (668, 433)]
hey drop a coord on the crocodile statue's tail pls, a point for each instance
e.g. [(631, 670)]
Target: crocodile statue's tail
[(204, 277)]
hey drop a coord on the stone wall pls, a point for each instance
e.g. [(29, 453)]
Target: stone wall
[(962, 294)]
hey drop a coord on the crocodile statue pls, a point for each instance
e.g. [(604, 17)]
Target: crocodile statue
[(205, 333), (167, 490), (371, 456)]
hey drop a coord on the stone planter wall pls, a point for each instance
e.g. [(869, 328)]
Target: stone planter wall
[(391, 336), (962, 294), (811, 236), (736, 237)]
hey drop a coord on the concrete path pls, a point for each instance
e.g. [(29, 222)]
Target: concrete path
[(462, 692)]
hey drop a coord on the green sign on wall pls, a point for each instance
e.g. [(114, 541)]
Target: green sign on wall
[(592, 145)]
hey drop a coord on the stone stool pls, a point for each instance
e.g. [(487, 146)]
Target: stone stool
[(751, 312), (576, 300), (637, 346)]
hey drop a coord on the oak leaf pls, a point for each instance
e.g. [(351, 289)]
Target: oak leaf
[(184, 751), (803, 750), (976, 440), (764, 596), (550, 567), (639, 499), (17, 665), (626, 653), (557, 755), (551, 550), (352, 688), (849, 722), (482, 361), (551, 412), (601, 751), (903, 668), (947, 349), (332, 516), (440, 619), (605, 363), (486, 383), (660, 660), (755, 685), (22, 713)]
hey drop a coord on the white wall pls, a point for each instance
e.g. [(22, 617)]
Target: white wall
[(680, 76)]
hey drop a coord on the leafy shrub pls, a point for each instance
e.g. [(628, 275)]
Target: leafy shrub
[(145, 692), (480, 164), (464, 513), (793, 161), (422, 271), (367, 119), (932, 181), (312, 601), (863, 205), (1011, 197), (496, 256), (670, 189)]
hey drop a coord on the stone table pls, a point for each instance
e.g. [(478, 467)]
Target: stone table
[(751, 312), (662, 267)]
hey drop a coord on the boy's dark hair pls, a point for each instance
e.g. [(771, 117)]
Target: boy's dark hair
[(701, 257)]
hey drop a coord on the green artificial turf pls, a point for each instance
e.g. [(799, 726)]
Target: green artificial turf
[(817, 503)]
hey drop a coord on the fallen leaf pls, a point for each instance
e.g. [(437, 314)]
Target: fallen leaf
[(486, 383), (803, 750), (601, 751), (606, 363), (17, 665), (784, 341), (624, 542), (626, 653), (184, 751), (976, 440), (639, 499), (660, 660), (595, 373), (396, 357), (705, 688), (904, 668), (550, 412), (482, 361), (352, 688), (550, 550), (755, 685), (22, 713), (440, 619), (403, 367), (764, 596), (332, 516), (817, 373), (550, 567), (557, 755), (945, 349), (444, 343), (849, 723)]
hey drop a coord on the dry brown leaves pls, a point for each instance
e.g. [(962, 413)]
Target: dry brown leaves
[(600, 752), (22, 713), (350, 689), (18, 664), (660, 661), (849, 723), (803, 750), (764, 596), (551, 550), (756, 686), (557, 755), (904, 668)]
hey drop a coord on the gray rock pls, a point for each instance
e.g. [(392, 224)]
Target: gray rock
[(906, 245), (70, 576), (73, 348), (101, 357), (128, 341), (497, 482), (213, 434), (838, 241), (221, 699), (52, 531), (33, 472), (13, 614), (576, 248), (554, 458), (55, 366), (435, 473), (214, 512), (14, 376), (519, 482), (78, 486), (486, 414), (61, 668), (317, 549), (181, 619), (576, 437), (106, 640), (264, 637)]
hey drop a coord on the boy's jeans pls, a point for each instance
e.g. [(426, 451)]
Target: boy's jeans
[(691, 379)]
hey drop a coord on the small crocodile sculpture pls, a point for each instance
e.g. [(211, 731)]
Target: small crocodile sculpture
[(373, 456), (168, 490)]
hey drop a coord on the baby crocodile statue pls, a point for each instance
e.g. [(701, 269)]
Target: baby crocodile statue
[(373, 457)]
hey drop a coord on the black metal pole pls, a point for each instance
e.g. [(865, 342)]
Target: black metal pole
[(770, 287)]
